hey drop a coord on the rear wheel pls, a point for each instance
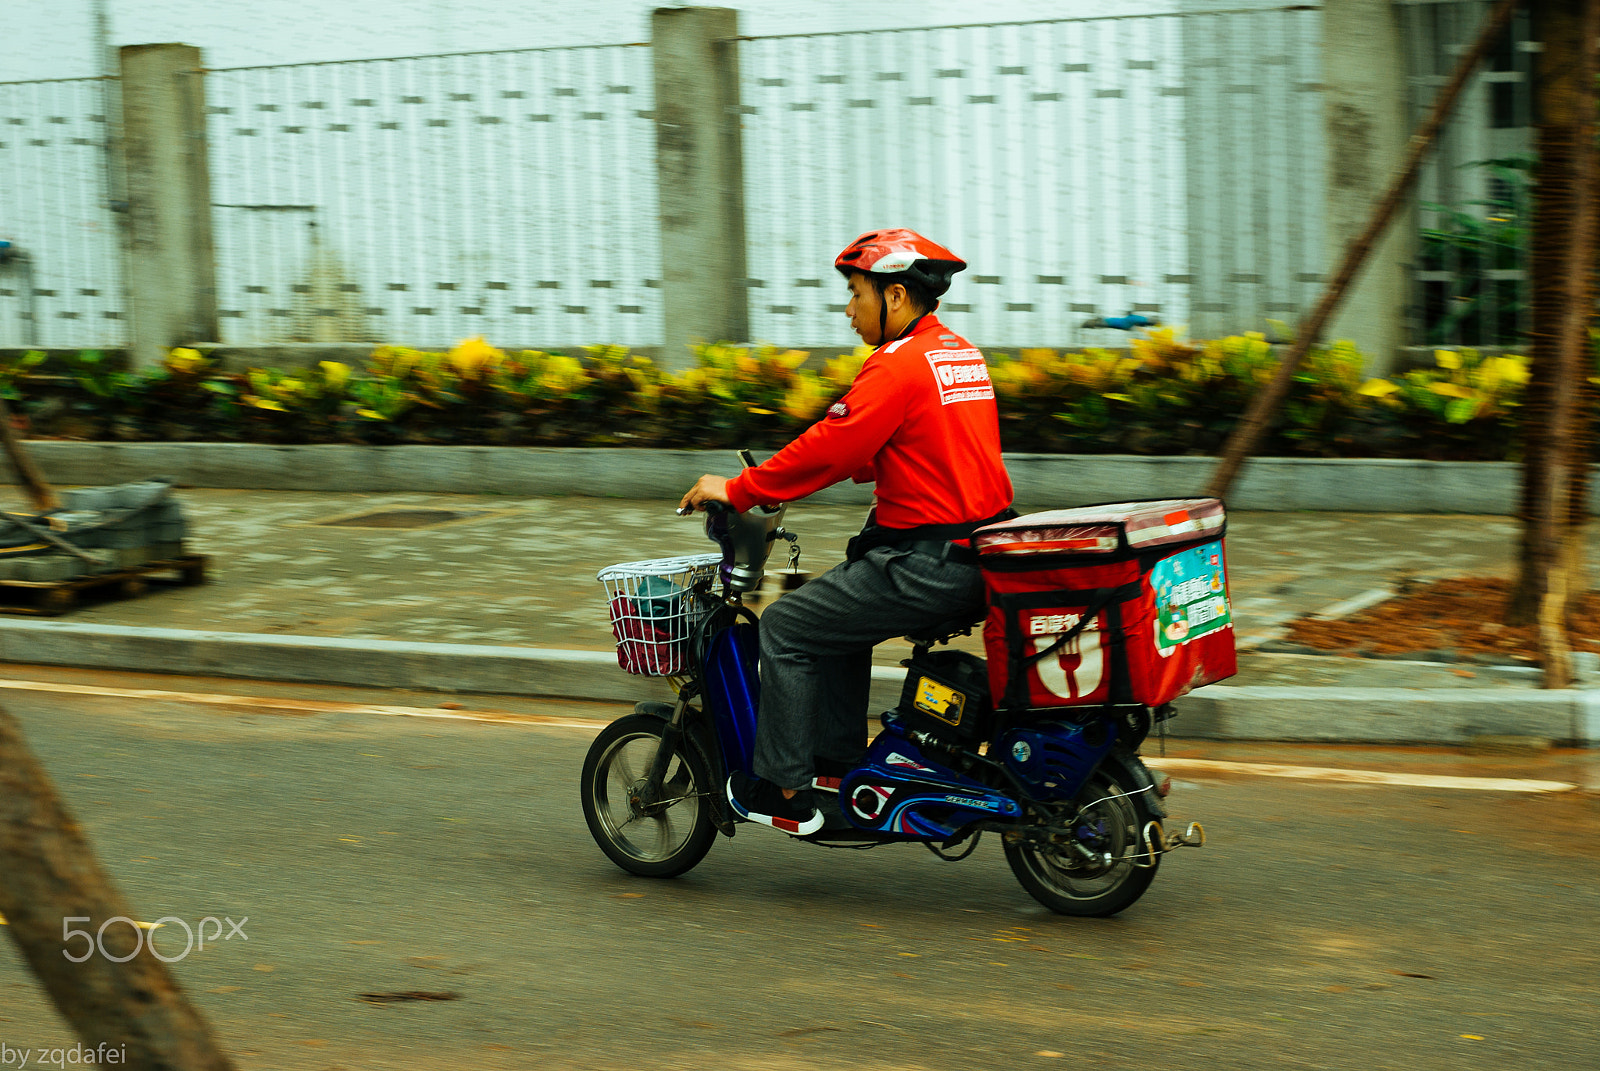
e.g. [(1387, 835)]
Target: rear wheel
[(659, 841), (1071, 881)]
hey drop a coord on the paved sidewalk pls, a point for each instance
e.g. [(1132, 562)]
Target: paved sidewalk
[(522, 573), (513, 584)]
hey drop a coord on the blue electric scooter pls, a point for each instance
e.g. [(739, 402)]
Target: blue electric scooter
[(1079, 814)]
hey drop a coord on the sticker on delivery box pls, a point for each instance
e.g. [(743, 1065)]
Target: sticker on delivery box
[(1191, 596)]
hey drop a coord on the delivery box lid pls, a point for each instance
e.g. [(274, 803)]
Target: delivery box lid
[(1105, 529)]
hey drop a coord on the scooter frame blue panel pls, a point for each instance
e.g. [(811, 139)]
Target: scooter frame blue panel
[(1055, 758), (733, 691), (915, 796)]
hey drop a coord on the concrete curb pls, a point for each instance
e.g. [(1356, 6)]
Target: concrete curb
[(1387, 715), (1359, 485), (443, 667), (1218, 712)]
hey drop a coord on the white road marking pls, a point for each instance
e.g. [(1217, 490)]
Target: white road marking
[(136, 922), (1357, 777), (304, 706), (540, 721)]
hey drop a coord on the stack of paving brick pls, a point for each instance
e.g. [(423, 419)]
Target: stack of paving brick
[(118, 528)]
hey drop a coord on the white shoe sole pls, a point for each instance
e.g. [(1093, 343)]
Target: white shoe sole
[(793, 827)]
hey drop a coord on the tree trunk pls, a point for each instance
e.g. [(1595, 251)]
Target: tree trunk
[(48, 875), (43, 495), (1555, 418), (1247, 434)]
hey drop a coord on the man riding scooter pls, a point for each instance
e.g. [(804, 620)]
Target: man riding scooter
[(920, 421)]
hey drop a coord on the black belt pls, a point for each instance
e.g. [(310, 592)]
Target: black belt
[(943, 549), (929, 542)]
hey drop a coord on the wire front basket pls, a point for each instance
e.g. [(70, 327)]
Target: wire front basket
[(654, 610)]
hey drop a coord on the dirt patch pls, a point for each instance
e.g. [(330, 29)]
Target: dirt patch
[(406, 996), (1459, 616)]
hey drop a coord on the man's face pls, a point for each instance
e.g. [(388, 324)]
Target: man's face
[(862, 309)]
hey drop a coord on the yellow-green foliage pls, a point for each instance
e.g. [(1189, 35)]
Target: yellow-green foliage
[(19, 368), (761, 380), (1164, 394), (1463, 385)]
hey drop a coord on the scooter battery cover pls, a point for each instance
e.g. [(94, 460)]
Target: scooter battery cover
[(1120, 603), (946, 693)]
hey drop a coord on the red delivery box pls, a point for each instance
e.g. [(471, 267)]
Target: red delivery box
[(1121, 603)]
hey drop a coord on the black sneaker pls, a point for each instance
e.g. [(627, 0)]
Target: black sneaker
[(829, 773), (761, 801)]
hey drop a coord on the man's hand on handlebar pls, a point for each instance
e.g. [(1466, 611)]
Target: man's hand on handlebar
[(707, 489)]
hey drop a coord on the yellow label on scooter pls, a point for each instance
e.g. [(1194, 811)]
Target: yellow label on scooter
[(939, 700)]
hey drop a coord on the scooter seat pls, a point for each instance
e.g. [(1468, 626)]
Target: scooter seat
[(946, 630)]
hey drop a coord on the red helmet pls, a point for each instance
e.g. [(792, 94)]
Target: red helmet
[(904, 253)]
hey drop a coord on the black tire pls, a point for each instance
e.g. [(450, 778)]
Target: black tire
[(1060, 878), (668, 840)]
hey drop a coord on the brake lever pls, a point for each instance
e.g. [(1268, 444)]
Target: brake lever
[(712, 506)]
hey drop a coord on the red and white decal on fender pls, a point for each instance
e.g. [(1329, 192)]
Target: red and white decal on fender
[(962, 376), (868, 801), (897, 759)]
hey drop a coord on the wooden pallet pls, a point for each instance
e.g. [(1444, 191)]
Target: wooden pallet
[(51, 598)]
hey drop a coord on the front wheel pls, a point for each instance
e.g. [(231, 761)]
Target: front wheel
[(1113, 816), (660, 841)]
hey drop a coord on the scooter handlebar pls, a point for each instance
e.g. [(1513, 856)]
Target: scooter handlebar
[(711, 506)]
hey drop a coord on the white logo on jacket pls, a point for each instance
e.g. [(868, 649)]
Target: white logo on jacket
[(962, 376)]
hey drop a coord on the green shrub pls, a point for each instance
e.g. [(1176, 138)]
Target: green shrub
[(1164, 395)]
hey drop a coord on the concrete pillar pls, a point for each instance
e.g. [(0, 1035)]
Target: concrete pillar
[(1208, 148), (1253, 149), (1364, 74), (701, 178), (168, 253)]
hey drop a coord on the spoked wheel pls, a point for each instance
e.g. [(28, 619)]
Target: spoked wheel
[(660, 841), (1074, 882)]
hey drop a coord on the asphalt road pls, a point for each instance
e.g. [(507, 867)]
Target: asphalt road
[(1324, 926)]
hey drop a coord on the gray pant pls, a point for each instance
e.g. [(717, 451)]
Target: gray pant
[(816, 652)]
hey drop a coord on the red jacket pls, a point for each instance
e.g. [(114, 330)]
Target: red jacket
[(920, 419)]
